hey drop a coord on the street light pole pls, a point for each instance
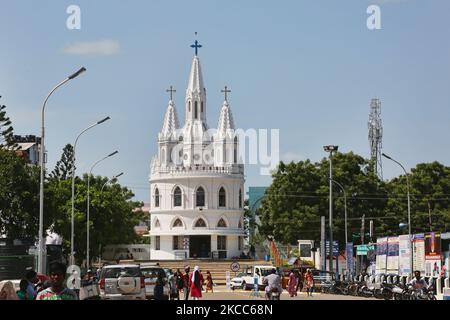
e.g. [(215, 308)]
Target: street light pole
[(72, 238), (409, 210), (41, 248), (110, 180), (89, 205), (345, 209), (331, 149)]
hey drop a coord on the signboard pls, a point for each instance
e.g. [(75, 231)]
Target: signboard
[(419, 252), (404, 257), (335, 248), (381, 259), (349, 256), (392, 255), (432, 254), (363, 249), (235, 267)]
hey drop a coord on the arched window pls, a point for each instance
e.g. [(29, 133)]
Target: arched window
[(195, 109), (157, 224), (201, 108), (177, 224), (222, 197), (200, 223), (221, 223), (156, 198), (200, 197), (189, 106), (177, 197), (240, 198)]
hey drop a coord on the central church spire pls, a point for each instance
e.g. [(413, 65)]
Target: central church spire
[(196, 93)]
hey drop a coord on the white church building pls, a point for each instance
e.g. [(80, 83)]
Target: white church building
[(197, 182)]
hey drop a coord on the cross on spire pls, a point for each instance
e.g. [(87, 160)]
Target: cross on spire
[(226, 91), (171, 90), (196, 46)]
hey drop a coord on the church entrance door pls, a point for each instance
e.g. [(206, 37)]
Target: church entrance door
[(199, 246)]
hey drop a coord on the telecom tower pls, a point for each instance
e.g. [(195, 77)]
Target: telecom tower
[(375, 136)]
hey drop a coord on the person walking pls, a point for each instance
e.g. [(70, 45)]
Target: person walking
[(209, 282), (300, 281), (186, 282), (309, 282), (292, 284), (22, 292), (179, 282), (196, 283)]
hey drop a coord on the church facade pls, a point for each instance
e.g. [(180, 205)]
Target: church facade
[(196, 181)]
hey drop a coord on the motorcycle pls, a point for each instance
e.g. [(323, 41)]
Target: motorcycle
[(274, 294)]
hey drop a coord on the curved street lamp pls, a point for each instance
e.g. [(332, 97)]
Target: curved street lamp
[(41, 248), (72, 260), (88, 204), (110, 180), (409, 210)]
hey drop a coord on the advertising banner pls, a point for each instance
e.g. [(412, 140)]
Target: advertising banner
[(392, 255), (349, 256), (419, 252), (404, 263), (432, 254), (381, 255)]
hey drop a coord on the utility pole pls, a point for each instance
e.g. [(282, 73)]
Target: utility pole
[(371, 231), (429, 216), (362, 228), (322, 243)]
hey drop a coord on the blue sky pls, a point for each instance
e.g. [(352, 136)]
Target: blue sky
[(308, 68)]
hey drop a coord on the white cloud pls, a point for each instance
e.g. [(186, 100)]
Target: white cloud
[(291, 156), (94, 48)]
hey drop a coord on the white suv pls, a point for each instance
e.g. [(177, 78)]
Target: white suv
[(122, 282)]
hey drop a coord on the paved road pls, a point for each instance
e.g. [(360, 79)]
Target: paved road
[(224, 294)]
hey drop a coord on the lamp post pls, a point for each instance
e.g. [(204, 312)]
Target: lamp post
[(110, 180), (409, 210), (72, 261), (331, 149), (41, 266), (345, 209), (89, 204)]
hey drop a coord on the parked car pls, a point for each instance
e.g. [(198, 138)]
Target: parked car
[(151, 273), (236, 282), (246, 279), (122, 282)]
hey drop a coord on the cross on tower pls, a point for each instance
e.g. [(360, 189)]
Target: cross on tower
[(196, 45), (226, 91), (171, 90)]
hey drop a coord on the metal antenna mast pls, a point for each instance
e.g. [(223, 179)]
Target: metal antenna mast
[(376, 136)]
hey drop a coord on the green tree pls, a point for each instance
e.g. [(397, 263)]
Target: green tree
[(19, 197), (64, 167), (299, 194), (6, 131), (430, 199), (112, 214)]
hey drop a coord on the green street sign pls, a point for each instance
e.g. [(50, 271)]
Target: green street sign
[(362, 250)]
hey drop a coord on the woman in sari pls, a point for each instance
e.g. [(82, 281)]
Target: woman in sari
[(196, 284), (292, 283), (309, 282)]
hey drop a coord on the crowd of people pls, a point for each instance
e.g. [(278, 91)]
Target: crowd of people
[(186, 284), (39, 287)]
